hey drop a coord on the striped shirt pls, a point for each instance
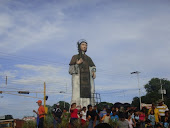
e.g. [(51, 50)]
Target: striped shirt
[(162, 109)]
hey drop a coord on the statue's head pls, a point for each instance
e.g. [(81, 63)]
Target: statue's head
[(83, 45)]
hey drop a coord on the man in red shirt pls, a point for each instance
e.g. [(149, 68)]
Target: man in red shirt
[(40, 113)]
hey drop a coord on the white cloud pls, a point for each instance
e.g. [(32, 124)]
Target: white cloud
[(37, 75), (9, 73)]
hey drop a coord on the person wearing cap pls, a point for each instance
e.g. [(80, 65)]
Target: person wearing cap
[(40, 113), (83, 71), (162, 108), (56, 112)]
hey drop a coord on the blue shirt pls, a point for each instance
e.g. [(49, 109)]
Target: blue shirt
[(152, 119), (115, 117), (103, 113)]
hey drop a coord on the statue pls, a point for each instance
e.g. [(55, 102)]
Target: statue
[(83, 74)]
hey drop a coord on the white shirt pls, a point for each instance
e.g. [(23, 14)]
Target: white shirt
[(130, 123), (83, 115), (162, 109)]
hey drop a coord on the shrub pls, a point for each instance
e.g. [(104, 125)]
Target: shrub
[(29, 124)]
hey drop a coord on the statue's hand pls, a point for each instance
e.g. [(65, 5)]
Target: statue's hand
[(93, 75), (79, 61)]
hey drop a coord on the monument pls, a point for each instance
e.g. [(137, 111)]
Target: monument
[(83, 73)]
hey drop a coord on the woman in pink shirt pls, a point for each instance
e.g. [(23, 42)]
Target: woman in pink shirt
[(142, 118), (74, 113)]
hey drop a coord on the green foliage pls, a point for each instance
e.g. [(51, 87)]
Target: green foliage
[(29, 124), (152, 92), (135, 102), (102, 104), (153, 85), (67, 105), (63, 125), (113, 123), (48, 121)]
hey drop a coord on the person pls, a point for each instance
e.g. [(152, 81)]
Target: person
[(122, 123), (65, 117), (91, 116), (83, 116), (106, 117), (97, 112), (136, 118), (117, 111), (162, 108), (41, 113), (133, 118), (130, 121), (103, 113), (166, 120), (103, 125), (74, 114), (142, 118), (114, 116), (113, 109), (156, 113), (83, 74), (56, 112), (151, 117), (148, 124)]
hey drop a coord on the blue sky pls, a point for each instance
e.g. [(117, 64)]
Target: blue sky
[(38, 39)]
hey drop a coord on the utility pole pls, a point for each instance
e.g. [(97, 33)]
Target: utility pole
[(140, 102), (65, 96), (161, 90), (6, 80), (45, 97)]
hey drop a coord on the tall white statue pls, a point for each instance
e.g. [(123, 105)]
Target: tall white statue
[(83, 74)]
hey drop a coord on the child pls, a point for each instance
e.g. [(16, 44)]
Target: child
[(106, 117), (65, 116), (137, 121), (151, 117), (114, 116), (166, 120), (83, 116), (148, 124)]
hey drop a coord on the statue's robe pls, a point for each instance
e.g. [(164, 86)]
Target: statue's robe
[(82, 81)]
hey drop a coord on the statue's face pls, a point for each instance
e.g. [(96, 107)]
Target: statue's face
[(83, 47)]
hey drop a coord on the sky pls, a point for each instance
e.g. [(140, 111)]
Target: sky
[(38, 39)]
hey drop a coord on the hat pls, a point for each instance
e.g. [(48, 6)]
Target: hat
[(82, 41), (39, 101), (159, 101), (57, 103)]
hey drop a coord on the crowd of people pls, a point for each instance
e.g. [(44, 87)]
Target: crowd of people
[(158, 116)]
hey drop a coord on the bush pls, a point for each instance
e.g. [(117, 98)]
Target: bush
[(113, 123), (29, 124)]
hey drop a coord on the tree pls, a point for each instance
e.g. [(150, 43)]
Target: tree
[(102, 104), (135, 102), (67, 105), (152, 92)]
